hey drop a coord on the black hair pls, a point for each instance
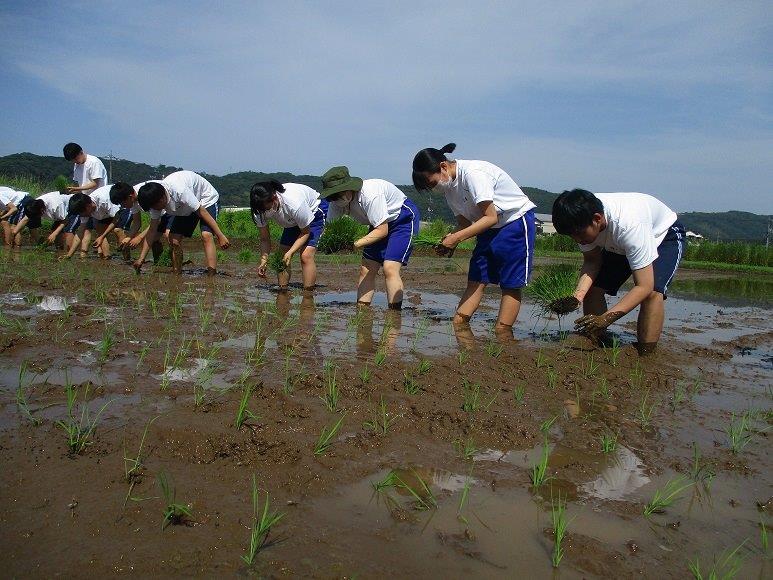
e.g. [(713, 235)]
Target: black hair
[(71, 151), (261, 193), (120, 192), (78, 203), (573, 211), (150, 194), (34, 208), (427, 162)]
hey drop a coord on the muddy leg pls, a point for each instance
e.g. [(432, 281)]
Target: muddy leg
[(309, 267), (509, 307), (210, 252), (469, 302), (366, 285), (175, 240), (650, 322), (394, 284), (284, 277)]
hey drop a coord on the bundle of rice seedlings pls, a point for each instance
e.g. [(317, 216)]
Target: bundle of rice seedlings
[(553, 289), (276, 262), (61, 183), (427, 239)]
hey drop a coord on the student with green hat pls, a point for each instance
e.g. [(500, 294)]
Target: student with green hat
[(393, 220)]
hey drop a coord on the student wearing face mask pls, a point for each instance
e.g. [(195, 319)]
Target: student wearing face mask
[(393, 220), (490, 207)]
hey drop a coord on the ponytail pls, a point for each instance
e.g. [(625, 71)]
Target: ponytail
[(427, 162), (261, 193)]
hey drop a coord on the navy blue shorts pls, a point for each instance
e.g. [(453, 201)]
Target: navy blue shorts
[(21, 212), (615, 269), (185, 225), (71, 223), (398, 244), (505, 255), (123, 219), (289, 235), (164, 222)]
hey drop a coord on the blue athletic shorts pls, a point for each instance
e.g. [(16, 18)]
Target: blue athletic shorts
[(71, 223), (186, 224), (123, 219), (289, 235), (505, 255), (398, 244), (164, 223), (21, 212), (615, 269)]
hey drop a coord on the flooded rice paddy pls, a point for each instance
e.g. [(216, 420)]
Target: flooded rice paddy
[(431, 471)]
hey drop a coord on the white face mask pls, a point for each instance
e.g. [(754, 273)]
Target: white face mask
[(444, 181)]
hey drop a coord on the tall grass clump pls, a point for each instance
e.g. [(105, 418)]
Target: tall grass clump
[(730, 253), (552, 290), (22, 183), (340, 234)]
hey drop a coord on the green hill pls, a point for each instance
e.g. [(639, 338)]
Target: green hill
[(234, 188)]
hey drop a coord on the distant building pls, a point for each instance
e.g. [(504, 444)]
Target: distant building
[(544, 223)]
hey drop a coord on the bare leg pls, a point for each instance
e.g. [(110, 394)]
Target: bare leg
[(651, 315), (85, 236), (7, 229), (175, 241), (595, 302), (366, 285), (105, 245), (210, 252), (469, 302), (394, 283), (509, 307), (309, 267)]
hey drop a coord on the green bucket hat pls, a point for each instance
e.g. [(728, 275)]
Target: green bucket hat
[(337, 179)]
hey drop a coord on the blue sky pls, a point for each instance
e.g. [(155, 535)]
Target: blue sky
[(673, 99)]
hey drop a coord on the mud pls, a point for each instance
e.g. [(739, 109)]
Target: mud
[(184, 350)]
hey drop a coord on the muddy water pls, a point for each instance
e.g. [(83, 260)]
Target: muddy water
[(168, 338)]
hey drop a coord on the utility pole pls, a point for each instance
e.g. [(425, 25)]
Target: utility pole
[(110, 168), (770, 231)]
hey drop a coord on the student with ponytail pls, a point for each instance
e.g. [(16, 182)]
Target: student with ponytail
[(299, 210), (489, 206)]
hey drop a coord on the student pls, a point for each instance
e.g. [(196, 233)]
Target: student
[(298, 209), (89, 173), (53, 206), (393, 220), (98, 207), (125, 196), (489, 206), (190, 199), (11, 211), (621, 234)]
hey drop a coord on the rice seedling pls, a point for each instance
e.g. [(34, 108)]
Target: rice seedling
[(245, 256), (560, 525), (143, 353), (464, 497), (645, 411), (21, 395), (552, 290), (332, 392), (724, 567), (494, 349), (427, 239), (242, 412), (541, 360), (389, 480), (380, 421), (590, 367), (174, 513), (466, 449), (666, 496), (613, 351), (738, 433), (763, 537), (678, 395), (133, 465), (473, 397), (462, 356), (365, 374), (380, 357), (325, 440), (199, 395), (410, 385), (519, 393), (608, 442), (424, 366), (262, 522), (79, 429), (422, 327), (104, 345), (701, 471), (540, 469), (552, 376), (423, 497), (603, 389), (637, 376), (547, 424)]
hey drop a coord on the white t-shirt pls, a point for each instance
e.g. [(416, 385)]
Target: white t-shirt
[(478, 181), (636, 224), (377, 202), (91, 170), (297, 205), (187, 191), (105, 207), (55, 205), (10, 196)]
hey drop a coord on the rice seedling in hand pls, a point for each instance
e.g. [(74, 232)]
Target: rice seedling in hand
[(473, 397), (608, 442), (381, 422), (79, 428), (262, 522), (553, 290), (61, 183), (276, 262), (738, 433), (410, 385), (518, 394), (723, 567), (424, 366), (325, 440), (560, 525), (540, 469), (243, 413), (666, 496), (332, 392), (174, 513), (427, 239)]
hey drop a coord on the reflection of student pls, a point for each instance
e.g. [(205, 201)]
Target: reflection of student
[(393, 220), (490, 207), (622, 234), (298, 209)]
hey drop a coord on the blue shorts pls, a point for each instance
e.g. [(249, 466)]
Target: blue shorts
[(123, 219), (184, 225), (505, 255), (20, 213), (289, 235), (398, 244), (71, 223), (615, 269)]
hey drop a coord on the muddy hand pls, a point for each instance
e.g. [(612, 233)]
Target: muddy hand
[(564, 305), (137, 265), (262, 271), (593, 324)]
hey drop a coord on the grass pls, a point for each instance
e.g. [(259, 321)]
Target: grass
[(560, 525), (556, 282), (325, 440), (381, 422), (540, 469), (738, 433), (332, 392), (79, 428), (242, 412), (666, 496), (473, 397), (608, 442), (174, 513), (262, 522), (724, 566)]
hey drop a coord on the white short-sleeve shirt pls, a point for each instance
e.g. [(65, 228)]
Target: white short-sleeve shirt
[(297, 204), (636, 224), (10, 196), (187, 192), (55, 205), (91, 170), (105, 207), (377, 202), (478, 181)]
